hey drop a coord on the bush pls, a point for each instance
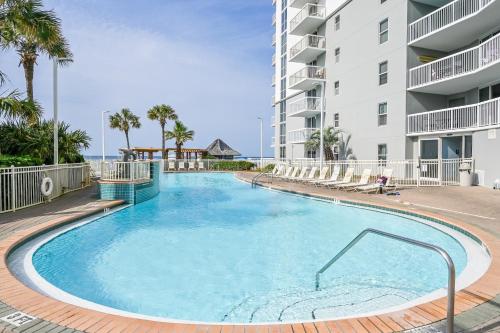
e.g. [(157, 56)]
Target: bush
[(19, 161), (233, 165), (268, 168)]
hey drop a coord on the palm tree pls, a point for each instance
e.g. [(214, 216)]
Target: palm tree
[(13, 106), (162, 113), (330, 139), (181, 135), (31, 31), (345, 152), (124, 121)]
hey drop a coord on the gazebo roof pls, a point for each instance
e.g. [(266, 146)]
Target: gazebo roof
[(220, 148)]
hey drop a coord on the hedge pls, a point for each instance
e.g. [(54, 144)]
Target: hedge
[(19, 161), (232, 165)]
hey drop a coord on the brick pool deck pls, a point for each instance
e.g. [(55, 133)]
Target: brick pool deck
[(477, 307)]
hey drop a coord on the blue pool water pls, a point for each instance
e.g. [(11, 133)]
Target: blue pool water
[(210, 248)]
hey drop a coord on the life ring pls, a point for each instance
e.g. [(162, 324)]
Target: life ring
[(47, 186)]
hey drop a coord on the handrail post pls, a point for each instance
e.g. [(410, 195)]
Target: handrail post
[(449, 262)]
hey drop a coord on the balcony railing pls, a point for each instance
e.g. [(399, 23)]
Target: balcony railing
[(273, 121), (308, 73), (309, 42), (274, 40), (464, 118), (308, 11), (274, 19), (301, 135), (273, 100), (465, 62), (273, 142), (273, 60), (444, 16), (306, 106), (273, 80)]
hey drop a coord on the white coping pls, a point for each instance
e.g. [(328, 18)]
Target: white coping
[(21, 264)]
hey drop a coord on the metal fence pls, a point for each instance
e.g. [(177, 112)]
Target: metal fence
[(21, 187), (125, 171), (418, 172)]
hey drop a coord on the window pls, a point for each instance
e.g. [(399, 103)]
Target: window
[(382, 154), (382, 73), (337, 22), (311, 122), (336, 120), (311, 153), (382, 114), (337, 87), (337, 54), (383, 31), (484, 94), (282, 152)]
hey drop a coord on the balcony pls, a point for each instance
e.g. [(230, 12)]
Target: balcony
[(305, 107), (273, 82), (466, 118), (458, 72), (273, 100), (310, 17), (274, 40), (307, 78), (273, 121), (309, 48), (298, 3), (454, 25), (273, 60), (301, 135), (274, 20), (273, 142)]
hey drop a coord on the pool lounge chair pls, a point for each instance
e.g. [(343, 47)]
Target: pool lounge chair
[(279, 170), (321, 176), (347, 179), (311, 176), (333, 178), (171, 166), (182, 166), (301, 176), (293, 175), (191, 166), (287, 174), (365, 178), (376, 186), (201, 166)]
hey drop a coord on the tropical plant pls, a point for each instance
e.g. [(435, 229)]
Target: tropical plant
[(330, 139), (13, 106), (162, 113), (181, 135), (233, 165), (345, 151), (124, 121), (30, 30), (37, 140)]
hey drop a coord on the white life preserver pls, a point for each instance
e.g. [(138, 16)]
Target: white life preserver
[(47, 186)]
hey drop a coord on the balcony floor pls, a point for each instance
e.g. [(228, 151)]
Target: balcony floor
[(304, 113), (307, 55), (461, 83), (308, 25), (462, 32), (307, 84)]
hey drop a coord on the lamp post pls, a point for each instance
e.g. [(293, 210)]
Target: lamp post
[(102, 135), (322, 115), (261, 147), (56, 106)]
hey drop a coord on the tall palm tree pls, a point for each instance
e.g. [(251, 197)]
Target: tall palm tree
[(181, 135), (345, 151), (13, 106), (124, 121), (162, 113), (31, 31), (330, 139)]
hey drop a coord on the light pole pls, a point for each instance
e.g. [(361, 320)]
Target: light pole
[(321, 139), (261, 147), (102, 135), (55, 101)]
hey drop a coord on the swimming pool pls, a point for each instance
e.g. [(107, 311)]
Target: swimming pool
[(209, 248)]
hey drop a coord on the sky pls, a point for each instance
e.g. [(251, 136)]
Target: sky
[(209, 59)]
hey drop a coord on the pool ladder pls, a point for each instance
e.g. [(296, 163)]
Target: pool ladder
[(439, 250), (256, 178)]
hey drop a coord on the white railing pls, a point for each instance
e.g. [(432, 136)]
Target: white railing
[(273, 100), (304, 104), (417, 172), (273, 80), (273, 60), (273, 142), (468, 117), (21, 187), (301, 135), (464, 62), (126, 171), (444, 16), (308, 41), (309, 10), (308, 72), (203, 165), (274, 40), (274, 19), (273, 121)]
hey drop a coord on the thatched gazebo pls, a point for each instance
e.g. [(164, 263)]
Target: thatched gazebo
[(221, 150)]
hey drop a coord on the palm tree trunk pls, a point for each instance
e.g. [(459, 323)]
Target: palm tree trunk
[(178, 151), (29, 69), (163, 141), (128, 142), (328, 154)]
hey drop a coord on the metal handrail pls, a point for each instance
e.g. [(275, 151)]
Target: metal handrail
[(439, 250), (254, 179)]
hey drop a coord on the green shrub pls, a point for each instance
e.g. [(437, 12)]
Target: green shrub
[(232, 165), (268, 168), (19, 161)]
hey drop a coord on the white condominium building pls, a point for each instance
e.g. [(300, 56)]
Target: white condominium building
[(406, 78)]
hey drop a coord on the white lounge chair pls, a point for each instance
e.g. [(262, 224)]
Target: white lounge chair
[(294, 173), (191, 166), (347, 179), (201, 166), (171, 166), (322, 175), (311, 175), (333, 177), (287, 173), (365, 178), (376, 186), (182, 166), (279, 170), (301, 176)]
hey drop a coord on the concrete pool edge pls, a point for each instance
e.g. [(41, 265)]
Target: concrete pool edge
[(16, 294)]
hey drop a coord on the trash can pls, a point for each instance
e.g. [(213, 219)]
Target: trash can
[(466, 176)]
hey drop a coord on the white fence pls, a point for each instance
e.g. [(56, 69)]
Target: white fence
[(213, 165), (474, 116), (457, 64), (21, 187), (125, 171), (446, 15), (419, 172)]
